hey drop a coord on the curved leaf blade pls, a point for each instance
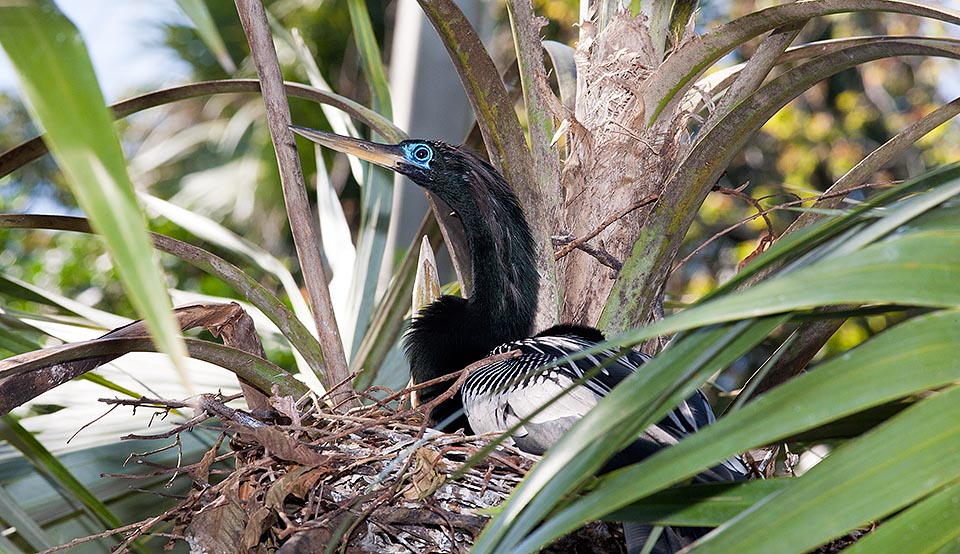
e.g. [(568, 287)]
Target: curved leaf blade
[(908, 457), (679, 71), (928, 527), (34, 148), (869, 375), (652, 255), (57, 78)]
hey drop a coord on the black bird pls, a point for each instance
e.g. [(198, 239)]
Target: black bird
[(454, 332)]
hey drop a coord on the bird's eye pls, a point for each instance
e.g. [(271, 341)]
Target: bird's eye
[(421, 154)]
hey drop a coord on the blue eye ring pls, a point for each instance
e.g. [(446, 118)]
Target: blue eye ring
[(419, 154)]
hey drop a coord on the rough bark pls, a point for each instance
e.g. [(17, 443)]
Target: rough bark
[(614, 160)]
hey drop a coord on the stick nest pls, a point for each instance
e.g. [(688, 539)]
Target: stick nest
[(375, 479)]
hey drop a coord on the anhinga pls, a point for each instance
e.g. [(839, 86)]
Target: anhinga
[(454, 332)]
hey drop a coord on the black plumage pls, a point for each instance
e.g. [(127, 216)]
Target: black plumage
[(498, 316)]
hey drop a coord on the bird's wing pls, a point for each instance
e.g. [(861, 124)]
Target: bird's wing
[(498, 396)]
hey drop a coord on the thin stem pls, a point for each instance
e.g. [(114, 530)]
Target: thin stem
[(303, 225)]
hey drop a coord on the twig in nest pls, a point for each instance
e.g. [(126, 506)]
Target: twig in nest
[(138, 528), (576, 243), (209, 405), (185, 426), (88, 424), (347, 387)]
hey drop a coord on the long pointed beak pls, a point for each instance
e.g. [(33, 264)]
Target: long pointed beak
[(385, 155)]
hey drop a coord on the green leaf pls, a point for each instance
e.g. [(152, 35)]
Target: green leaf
[(50, 466), (928, 527), (869, 375), (919, 269), (866, 479), (198, 13), (58, 80), (700, 505), (110, 385), (369, 50)]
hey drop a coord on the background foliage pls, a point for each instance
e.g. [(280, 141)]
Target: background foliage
[(204, 168)]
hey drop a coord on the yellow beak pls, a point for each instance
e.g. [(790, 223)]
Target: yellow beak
[(385, 155)]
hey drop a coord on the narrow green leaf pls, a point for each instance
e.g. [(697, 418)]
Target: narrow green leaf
[(50, 466), (631, 407), (110, 385), (198, 13), (815, 241), (57, 79), (537, 98), (919, 269), (929, 527), (15, 342), (700, 505), (869, 375), (901, 461), (369, 51), (28, 529)]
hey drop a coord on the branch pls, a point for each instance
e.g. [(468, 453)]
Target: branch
[(578, 243), (302, 223)]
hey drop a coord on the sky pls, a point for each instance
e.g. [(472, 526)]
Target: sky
[(126, 49)]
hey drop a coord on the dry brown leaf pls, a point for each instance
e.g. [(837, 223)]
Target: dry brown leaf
[(285, 486), (284, 446), (426, 476)]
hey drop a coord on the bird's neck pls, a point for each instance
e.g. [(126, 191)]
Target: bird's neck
[(453, 332), (503, 266)]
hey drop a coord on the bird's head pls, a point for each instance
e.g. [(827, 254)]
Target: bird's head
[(460, 178), (501, 247)]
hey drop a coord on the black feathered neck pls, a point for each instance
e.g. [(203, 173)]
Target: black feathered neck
[(453, 332)]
